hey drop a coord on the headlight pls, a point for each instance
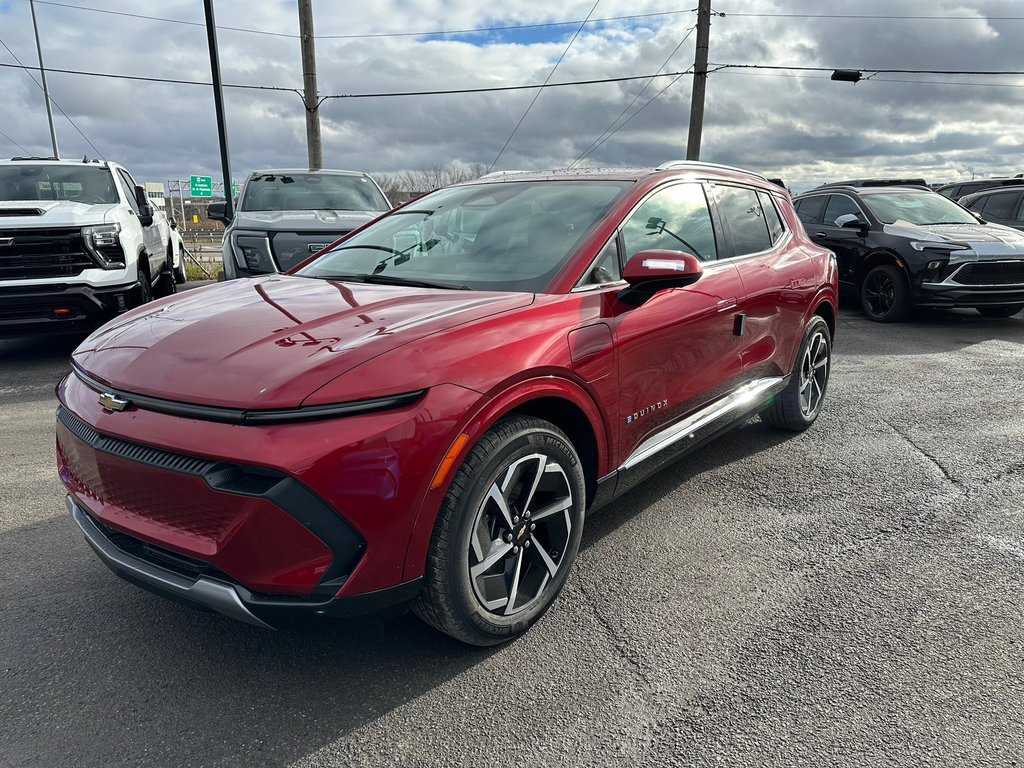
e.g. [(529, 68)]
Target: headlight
[(252, 251), (937, 245), (103, 242)]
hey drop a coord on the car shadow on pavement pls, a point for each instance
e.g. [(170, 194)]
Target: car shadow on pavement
[(928, 331)]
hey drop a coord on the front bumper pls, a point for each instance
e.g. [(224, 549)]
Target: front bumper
[(975, 284), (61, 308), (223, 596)]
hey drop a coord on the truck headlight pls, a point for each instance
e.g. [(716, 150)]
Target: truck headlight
[(252, 251), (103, 242)]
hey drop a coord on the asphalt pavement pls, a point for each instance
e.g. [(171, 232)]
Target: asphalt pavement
[(850, 596)]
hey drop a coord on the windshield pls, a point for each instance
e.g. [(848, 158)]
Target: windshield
[(492, 237), (82, 184), (311, 192), (916, 206)]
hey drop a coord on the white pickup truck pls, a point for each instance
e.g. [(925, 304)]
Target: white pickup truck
[(79, 243)]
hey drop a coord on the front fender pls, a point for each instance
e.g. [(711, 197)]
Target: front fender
[(487, 413)]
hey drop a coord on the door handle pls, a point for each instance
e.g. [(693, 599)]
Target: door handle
[(726, 304), (820, 234)]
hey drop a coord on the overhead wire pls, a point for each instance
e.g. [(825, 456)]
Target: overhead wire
[(541, 90), (594, 144), (52, 101), (12, 141)]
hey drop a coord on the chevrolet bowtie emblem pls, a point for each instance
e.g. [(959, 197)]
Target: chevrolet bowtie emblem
[(113, 402)]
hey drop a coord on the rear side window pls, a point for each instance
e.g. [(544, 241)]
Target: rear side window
[(771, 216), (675, 218), (1000, 205), (809, 209), (743, 215), (840, 205)]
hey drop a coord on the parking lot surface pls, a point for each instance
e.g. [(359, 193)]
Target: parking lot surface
[(850, 596)]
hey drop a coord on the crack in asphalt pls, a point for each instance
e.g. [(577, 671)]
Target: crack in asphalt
[(931, 458)]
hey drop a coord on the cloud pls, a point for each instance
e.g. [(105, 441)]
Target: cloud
[(800, 126)]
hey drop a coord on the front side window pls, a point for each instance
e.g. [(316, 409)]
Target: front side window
[(311, 192), (675, 218), (129, 190), (840, 205), (1000, 205), (742, 212), (87, 184), (508, 236), (916, 207)]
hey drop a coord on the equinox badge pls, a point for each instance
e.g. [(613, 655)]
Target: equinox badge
[(113, 402)]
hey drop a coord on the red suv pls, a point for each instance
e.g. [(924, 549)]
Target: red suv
[(422, 414)]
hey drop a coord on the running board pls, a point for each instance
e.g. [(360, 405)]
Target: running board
[(742, 399)]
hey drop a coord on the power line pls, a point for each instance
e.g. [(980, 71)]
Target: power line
[(877, 79), (15, 143), (595, 143), (871, 69), (866, 16), (368, 35), (541, 90), (51, 99)]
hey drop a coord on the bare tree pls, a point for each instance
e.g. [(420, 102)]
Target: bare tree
[(404, 185)]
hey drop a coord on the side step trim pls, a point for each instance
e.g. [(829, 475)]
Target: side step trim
[(741, 399)]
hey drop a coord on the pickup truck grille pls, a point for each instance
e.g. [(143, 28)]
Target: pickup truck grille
[(291, 248), (991, 273), (26, 254)]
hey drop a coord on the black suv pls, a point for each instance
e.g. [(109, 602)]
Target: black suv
[(904, 247), (1003, 205)]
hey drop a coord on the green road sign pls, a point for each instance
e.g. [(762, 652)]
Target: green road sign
[(234, 188), (202, 186)]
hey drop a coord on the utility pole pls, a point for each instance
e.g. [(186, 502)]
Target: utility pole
[(700, 80), (218, 104), (42, 72), (310, 96)]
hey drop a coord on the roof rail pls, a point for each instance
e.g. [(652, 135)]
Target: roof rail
[(701, 164), (34, 158)]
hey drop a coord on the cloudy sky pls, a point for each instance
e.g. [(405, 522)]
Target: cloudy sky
[(795, 124)]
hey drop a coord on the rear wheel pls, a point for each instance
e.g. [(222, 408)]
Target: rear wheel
[(885, 295), (799, 404), (507, 534), (165, 282), (998, 311)]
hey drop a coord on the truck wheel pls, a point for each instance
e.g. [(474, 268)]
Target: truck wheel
[(145, 287), (166, 284), (179, 275)]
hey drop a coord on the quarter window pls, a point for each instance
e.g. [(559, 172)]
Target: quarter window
[(742, 212), (771, 215), (676, 219), (1000, 205)]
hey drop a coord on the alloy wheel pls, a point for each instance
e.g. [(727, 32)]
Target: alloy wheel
[(813, 374), (520, 534), (880, 293)]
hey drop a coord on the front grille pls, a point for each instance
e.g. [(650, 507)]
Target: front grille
[(991, 273), (291, 248), (38, 253)]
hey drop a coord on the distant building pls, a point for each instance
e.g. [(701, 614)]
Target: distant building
[(155, 191)]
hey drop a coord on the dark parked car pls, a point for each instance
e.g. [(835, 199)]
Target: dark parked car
[(963, 188), (902, 247), (1002, 205), (423, 414), (285, 216)]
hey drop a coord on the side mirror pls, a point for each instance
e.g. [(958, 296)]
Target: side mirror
[(851, 221), (145, 209), (218, 212), (174, 224), (649, 272)]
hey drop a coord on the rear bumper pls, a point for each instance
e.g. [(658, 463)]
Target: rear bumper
[(225, 597), (40, 308)]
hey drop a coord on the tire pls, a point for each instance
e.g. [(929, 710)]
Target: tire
[(998, 311), (179, 275), (145, 287), (166, 285), (885, 295), (798, 405), (501, 552)]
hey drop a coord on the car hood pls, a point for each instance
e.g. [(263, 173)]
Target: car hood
[(270, 342), (985, 239), (52, 213), (302, 221)]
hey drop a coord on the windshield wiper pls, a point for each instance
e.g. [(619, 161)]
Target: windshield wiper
[(391, 280)]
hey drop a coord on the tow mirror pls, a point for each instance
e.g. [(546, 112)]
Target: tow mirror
[(145, 209), (649, 272), (218, 212)]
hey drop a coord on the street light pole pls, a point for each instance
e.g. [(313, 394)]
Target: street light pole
[(42, 72)]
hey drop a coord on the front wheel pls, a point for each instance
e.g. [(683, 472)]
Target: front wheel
[(799, 404), (507, 534), (885, 294), (998, 311)]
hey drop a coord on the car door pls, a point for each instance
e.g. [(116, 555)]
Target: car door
[(1001, 208), (849, 245), (150, 234), (779, 279), (677, 351)]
